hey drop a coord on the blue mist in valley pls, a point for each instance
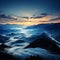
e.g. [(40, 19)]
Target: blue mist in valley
[(25, 41)]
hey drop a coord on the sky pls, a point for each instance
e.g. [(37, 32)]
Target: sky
[(29, 12)]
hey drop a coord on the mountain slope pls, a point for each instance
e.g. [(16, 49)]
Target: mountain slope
[(45, 42)]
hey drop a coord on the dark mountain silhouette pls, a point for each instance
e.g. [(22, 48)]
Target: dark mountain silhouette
[(3, 46), (50, 26), (5, 56), (45, 42), (34, 58)]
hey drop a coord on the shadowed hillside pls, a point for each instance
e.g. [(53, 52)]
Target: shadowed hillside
[(5, 56), (34, 58), (45, 42)]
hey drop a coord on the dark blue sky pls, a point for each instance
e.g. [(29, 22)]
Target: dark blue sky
[(29, 12), (30, 7)]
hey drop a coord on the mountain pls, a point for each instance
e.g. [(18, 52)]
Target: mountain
[(53, 29), (5, 56), (3, 46), (45, 42), (50, 26)]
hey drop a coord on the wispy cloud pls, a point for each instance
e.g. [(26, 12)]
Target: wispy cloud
[(43, 18), (41, 15), (7, 17), (25, 17), (54, 19)]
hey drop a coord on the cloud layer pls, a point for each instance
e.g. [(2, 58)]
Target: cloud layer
[(43, 18), (7, 17), (54, 19)]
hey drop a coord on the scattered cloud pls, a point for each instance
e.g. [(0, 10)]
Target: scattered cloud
[(7, 16), (54, 19), (41, 15), (25, 17), (43, 18), (44, 14)]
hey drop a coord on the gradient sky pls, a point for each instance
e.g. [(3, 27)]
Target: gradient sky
[(29, 12)]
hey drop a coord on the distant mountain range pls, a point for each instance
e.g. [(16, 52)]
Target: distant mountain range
[(53, 29), (55, 25)]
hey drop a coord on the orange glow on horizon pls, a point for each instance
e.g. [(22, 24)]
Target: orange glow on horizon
[(30, 21)]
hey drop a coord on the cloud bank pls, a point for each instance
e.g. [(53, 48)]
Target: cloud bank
[(43, 18)]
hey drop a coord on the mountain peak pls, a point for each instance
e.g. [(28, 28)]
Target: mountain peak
[(45, 42)]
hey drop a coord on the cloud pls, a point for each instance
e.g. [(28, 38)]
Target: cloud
[(12, 19), (54, 19), (44, 17), (25, 17), (7, 17), (41, 15), (24, 20), (44, 14)]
